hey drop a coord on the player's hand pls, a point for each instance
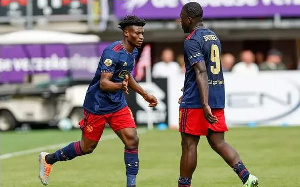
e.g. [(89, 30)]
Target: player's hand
[(179, 100), (151, 100), (208, 115), (125, 84)]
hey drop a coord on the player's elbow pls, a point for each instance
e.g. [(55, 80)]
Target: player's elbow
[(103, 85), (200, 73)]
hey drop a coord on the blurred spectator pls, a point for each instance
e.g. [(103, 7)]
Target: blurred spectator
[(273, 61), (298, 64), (167, 67), (180, 60), (247, 64), (259, 57), (227, 61)]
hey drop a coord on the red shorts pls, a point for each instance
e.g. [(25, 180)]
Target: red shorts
[(192, 121), (92, 125)]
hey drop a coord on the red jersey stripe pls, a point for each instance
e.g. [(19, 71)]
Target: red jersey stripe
[(118, 47), (190, 35)]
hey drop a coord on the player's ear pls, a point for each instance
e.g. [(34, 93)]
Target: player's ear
[(190, 20), (126, 32)]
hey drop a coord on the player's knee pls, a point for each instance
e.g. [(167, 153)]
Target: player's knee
[(188, 145), (216, 145), (132, 142)]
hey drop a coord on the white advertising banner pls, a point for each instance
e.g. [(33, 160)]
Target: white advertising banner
[(268, 98)]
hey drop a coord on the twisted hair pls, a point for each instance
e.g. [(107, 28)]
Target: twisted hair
[(131, 20), (193, 10)]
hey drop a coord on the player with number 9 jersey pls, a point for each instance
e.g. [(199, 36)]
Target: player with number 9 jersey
[(203, 46), (203, 101)]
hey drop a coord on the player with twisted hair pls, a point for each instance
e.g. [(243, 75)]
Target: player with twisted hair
[(105, 104), (203, 101)]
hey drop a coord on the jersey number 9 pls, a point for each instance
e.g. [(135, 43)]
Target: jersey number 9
[(215, 58)]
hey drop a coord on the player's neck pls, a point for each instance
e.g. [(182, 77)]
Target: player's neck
[(127, 46), (197, 26)]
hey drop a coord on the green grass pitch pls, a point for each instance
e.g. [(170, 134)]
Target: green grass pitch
[(271, 153)]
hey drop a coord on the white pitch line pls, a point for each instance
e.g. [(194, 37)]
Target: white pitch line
[(56, 146)]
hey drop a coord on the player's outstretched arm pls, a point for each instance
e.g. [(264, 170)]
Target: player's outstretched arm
[(202, 82), (138, 89), (107, 85)]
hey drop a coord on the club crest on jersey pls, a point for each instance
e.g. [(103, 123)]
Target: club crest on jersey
[(123, 73), (108, 62), (125, 64)]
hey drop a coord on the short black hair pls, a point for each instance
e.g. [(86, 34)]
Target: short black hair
[(131, 20), (193, 10)]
